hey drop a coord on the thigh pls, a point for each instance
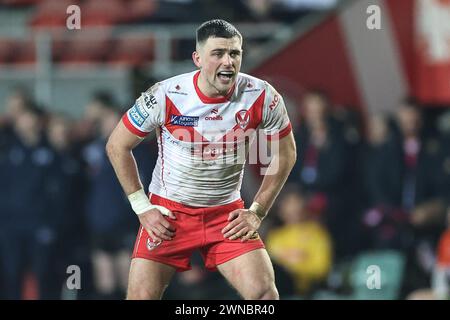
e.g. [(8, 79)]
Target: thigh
[(218, 249), (251, 274), (148, 279)]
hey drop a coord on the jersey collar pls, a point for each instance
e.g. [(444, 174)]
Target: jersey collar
[(206, 99)]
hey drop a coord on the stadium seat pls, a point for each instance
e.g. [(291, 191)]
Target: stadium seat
[(25, 52), (51, 13), (6, 50), (85, 47), (132, 50), (391, 265), (102, 12), (59, 46), (139, 10), (20, 2)]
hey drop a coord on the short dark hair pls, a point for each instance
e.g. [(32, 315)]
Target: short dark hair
[(321, 94), (216, 28), (410, 102), (36, 110), (105, 98)]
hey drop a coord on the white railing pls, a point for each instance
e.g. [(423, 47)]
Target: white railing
[(43, 72)]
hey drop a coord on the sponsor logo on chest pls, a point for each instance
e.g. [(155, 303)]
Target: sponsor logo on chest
[(185, 121)]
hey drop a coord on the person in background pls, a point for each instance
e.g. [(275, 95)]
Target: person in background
[(419, 195), (27, 237), (87, 129), (386, 224), (405, 208), (440, 283), (65, 187), (16, 103), (108, 216), (326, 172), (301, 244)]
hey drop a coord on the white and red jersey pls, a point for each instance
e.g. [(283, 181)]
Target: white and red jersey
[(201, 139)]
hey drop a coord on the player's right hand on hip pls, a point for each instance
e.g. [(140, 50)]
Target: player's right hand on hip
[(158, 227)]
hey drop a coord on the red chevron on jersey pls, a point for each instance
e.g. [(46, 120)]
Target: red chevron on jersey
[(203, 141)]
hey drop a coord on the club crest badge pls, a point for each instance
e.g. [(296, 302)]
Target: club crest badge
[(242, 118), (152, 244)]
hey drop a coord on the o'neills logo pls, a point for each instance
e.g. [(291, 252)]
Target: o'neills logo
[(216, 116)]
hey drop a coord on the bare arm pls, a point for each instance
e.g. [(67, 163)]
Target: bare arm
[(244, 222), (280, 166), (119, 149)]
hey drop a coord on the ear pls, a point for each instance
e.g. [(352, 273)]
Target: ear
[(196, 59)]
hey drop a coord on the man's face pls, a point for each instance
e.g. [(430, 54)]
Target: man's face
[(220, 61), (409, 120), (314, 109), (292, 209), (28, 123)]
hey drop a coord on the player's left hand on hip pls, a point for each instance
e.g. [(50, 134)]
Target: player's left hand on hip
[(244, 224)]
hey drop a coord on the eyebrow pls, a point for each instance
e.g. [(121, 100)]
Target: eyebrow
[(223, 50)]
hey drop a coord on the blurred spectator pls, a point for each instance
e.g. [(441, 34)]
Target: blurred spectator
[(442, 190), (55, 198), (111, 222), (409, 119), (257, 10), (386, 223), (414, 159), (88, 128), (16, 103), (405, 206), (419, 194), (28, 235), (325, 169), (107, 215), (376, 170), (65, 194), (441, 276), (301, 244), (440, 284)]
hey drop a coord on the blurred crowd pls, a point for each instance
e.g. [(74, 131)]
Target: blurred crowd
[(380, 185), (61, 203), (284, 11), (374, 185)]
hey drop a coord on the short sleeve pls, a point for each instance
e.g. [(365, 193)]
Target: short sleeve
[(276, 123), (147, 113)]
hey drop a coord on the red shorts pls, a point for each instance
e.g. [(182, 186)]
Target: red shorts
[(196, 228)]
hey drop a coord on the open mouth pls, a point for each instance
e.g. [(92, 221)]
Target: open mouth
[(225, 75)]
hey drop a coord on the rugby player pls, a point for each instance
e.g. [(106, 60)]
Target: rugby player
[(203, 122)]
